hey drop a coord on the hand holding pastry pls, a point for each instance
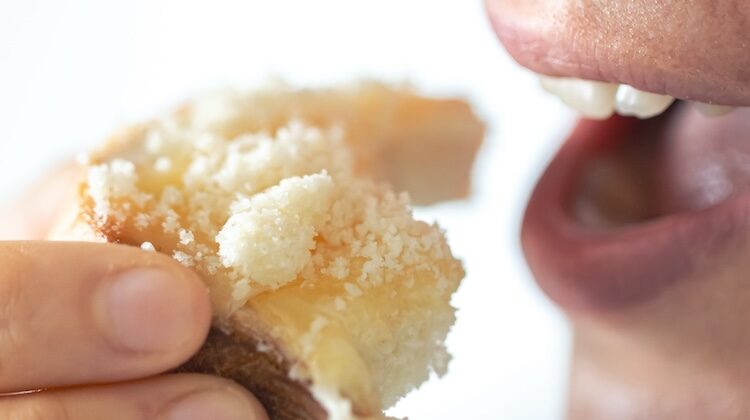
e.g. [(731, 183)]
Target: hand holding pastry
[(87, 326)]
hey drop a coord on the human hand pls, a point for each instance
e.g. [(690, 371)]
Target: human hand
[(86, 327)]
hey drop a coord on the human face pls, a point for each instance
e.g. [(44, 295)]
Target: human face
[(640, 228)]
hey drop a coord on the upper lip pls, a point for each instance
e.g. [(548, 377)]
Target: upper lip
[(696, 51), (588, 268)]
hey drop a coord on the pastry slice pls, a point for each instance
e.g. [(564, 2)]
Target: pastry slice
[(330, 300), (422, 145)]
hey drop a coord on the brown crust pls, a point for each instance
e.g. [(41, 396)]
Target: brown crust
[(265, 374)]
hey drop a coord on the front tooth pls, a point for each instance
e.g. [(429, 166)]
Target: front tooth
[(592, 99), (711, 110), (632, 102)]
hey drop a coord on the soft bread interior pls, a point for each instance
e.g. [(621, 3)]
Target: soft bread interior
[(271, 201)]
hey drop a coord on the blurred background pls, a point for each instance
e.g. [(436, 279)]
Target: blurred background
[(73, 71)]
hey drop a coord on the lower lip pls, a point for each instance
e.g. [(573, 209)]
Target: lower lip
[(586, 268)]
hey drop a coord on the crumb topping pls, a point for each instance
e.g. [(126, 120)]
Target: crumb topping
[(284, 208), (263, 210)]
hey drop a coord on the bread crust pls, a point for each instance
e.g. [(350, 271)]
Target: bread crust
[(264, 373)]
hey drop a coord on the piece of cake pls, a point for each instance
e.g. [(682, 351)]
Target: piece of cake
[(330, 299)]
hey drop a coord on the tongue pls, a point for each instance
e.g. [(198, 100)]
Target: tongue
[(702, 160)]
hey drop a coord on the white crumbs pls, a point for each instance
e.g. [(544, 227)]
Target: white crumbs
[(142, 221), (254, 198), (110, 181), (269, 199), (352, 289), (148, 246), (183, 258), (163, 164), (269, 236), (186, 237)]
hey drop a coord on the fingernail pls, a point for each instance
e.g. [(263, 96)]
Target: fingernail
[(147, 310), (215, 405)]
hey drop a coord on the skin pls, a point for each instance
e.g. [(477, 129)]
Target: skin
[(689, 49), (680, 352), (91, 328)]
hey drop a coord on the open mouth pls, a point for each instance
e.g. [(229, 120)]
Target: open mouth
[(652, 189), (628, 206)]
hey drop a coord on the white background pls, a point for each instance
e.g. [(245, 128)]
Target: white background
[(72, 71)]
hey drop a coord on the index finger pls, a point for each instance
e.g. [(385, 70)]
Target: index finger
[(32, 214)]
